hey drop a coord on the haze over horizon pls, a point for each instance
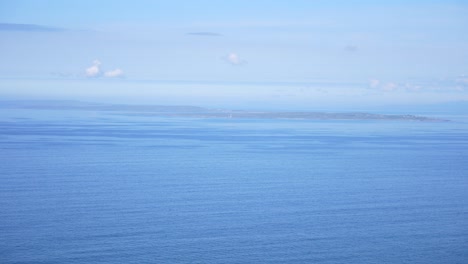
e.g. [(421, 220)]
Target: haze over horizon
[(243, 131), (294, 54)]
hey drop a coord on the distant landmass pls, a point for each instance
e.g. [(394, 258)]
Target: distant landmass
[(200, 112)]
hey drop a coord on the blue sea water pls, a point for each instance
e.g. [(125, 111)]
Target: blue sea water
[(90, 187)]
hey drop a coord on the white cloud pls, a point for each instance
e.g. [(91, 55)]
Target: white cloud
[(234, 59), (94, 70), (114, 73)]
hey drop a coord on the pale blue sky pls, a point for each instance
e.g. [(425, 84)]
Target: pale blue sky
[(282, 53)]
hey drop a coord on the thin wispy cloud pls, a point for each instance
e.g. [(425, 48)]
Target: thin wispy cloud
[(204, 34), (114, 73), (440, 86), (351, 48), (390, 87), (64, 75), (28, 28), (462, 80), (376, 84)]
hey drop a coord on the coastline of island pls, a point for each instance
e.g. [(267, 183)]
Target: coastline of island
[(200, 112)]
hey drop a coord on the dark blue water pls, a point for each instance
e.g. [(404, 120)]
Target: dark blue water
[(100, 188)]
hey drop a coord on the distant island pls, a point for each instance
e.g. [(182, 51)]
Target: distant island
[(200, 112)]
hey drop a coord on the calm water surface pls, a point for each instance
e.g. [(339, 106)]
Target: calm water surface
[(85, 187)]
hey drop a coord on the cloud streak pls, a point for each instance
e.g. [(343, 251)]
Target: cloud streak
[(28, 28), (204, 34), (351, 48), (458, 84)]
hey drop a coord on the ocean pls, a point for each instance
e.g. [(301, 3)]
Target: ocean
[(107, 187)]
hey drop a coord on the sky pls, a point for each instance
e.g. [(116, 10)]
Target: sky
[(245, 54)]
